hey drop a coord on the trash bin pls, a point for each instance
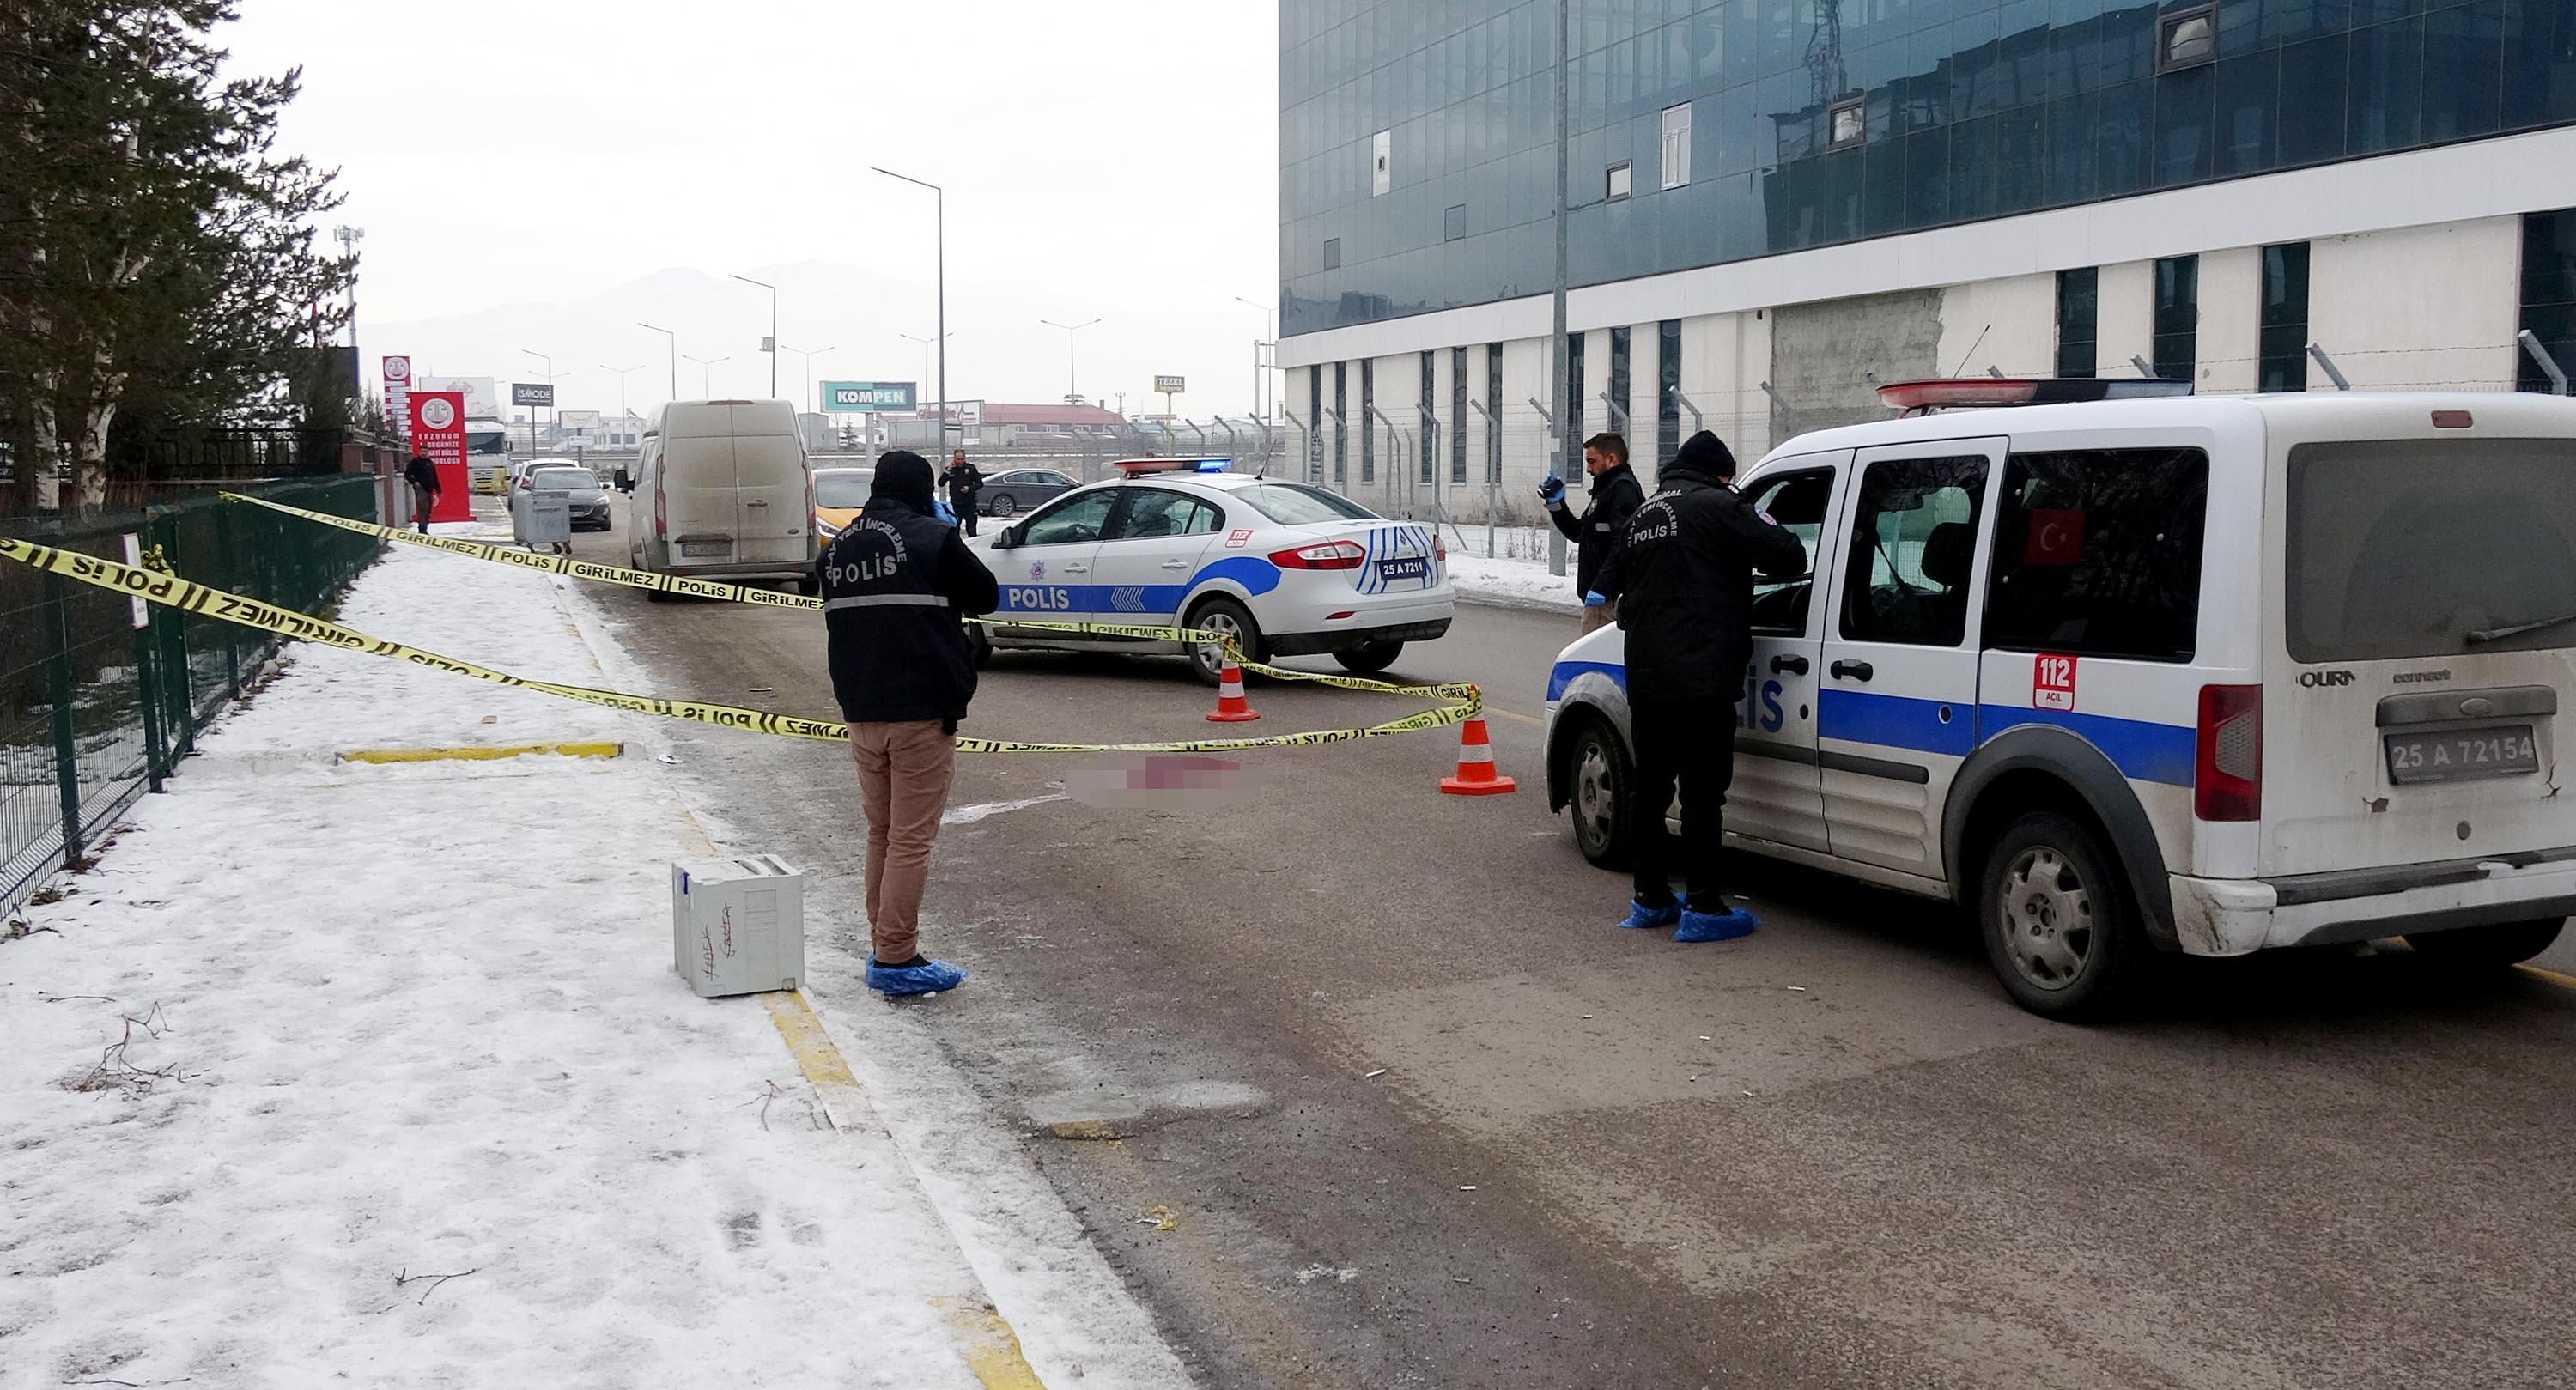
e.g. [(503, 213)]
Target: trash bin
[(541, 517)]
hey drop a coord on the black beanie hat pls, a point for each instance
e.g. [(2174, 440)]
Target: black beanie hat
[(1707, 454), (904, 476)]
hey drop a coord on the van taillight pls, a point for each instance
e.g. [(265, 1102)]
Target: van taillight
[(2227, 773), (661, 515)]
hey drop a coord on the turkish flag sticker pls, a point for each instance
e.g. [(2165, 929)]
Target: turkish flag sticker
[(2056, 536)]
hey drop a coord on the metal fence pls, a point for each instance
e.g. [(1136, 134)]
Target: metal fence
[(95, 710)]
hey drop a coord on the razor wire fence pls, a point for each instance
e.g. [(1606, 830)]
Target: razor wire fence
[(96, 708)]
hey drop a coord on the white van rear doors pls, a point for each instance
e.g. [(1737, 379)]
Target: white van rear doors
[(771, 518)]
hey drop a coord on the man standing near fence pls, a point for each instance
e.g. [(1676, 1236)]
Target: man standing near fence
[(1615, 498), (423, 477)]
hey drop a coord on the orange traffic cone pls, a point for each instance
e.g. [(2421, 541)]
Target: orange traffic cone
[(1231, 707), (1476, 775)]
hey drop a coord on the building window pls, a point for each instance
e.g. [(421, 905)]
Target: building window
[(1341, 423), (1453, 222), (1573, 405), (1616, 184), (1494, 418), (1846, 122), (1676, 147), (1668, 389), (2548, 295), (2177, 318), (2187, 38), (1619, 383), (2079, 315), (1314, 424), (2285, 318), (1426, 424), (1457, 415), (1381, 163), (1368, 420), (1332, 253)]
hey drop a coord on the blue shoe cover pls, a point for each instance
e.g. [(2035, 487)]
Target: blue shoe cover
[(1716, 926), (929, 977), (1643, 918)]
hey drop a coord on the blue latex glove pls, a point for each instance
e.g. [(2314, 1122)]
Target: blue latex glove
[(943, 511), (1551, 490), (1596, 599)]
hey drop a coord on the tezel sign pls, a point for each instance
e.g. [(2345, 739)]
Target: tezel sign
[(1171, 385)]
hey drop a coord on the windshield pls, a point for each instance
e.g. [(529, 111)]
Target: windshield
[(843, 488), (487, 441), (1294, 504), (562, 479), (2403, 548)]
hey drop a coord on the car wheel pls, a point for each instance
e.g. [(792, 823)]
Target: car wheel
[(1371, 659), (1001, 505), (1234, 620), (808, 585), (2060, 929), (2491, 947), (1599, 780)]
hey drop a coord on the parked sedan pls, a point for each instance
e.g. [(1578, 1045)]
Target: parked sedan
[(1008, 494), (589, 499)]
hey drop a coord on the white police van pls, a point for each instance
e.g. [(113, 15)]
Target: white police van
[(2209, 675)]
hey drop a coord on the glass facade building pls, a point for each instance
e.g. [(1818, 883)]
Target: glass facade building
[(1418, 157)]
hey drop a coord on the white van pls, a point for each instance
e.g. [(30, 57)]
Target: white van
[(722, 490), (2208, 675)]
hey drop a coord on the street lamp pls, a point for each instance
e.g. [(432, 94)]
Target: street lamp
[(704, 377), (925, 349), (769, 344), (550, 391), (809, 354), (1261, 376), (1072, 394), (621, 384), (941, 204), (675, 355)]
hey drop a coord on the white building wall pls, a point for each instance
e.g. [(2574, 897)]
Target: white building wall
[(2426, 308), (2229, 348), (2009, 324), (2127, 321)]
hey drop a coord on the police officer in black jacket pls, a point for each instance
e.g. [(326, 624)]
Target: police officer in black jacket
[(1615, 497), (1683, 579), (894, 586)]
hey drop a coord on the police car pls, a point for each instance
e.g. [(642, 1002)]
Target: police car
[(2208, 675), (1284, 568)]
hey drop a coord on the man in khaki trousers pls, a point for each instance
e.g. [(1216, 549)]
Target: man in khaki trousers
[(895, 584)]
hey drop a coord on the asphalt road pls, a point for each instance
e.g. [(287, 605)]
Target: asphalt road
[(1422, 1117)]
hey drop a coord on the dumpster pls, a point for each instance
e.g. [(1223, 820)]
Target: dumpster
[(541, 517)]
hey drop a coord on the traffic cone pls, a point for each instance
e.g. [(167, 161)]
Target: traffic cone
[(1476, 775), (1231, 707)]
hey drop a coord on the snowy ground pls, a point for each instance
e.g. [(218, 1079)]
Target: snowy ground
[(313, 1036)]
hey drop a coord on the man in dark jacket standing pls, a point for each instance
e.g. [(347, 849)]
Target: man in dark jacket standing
[(1683, 579), (423, 477), (1615, 497), (964, 480), (894, 585)]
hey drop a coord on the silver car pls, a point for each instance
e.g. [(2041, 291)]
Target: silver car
[(589, 496)]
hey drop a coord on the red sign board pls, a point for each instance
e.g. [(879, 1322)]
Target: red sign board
[(2052, 682), (398, 393), (438, 434)]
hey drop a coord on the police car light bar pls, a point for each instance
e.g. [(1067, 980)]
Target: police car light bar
[(1134, 468), (1956, 393)]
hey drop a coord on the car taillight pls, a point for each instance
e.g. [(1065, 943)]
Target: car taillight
[(661, 514), (1323, 555), (2227, 773), (1439, 548)]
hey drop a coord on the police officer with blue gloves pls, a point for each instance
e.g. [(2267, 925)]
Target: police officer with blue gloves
[(1683, 579), (1595, 534)]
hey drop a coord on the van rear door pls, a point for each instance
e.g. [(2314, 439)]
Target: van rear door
[(697, 483), (771, 519), (2429, 624)]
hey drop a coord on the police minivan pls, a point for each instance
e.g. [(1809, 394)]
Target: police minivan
[(2208, 675)]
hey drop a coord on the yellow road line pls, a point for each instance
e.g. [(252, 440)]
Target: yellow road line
[(477, 753), (2552, 976), (1500, 713), (984, 1339)]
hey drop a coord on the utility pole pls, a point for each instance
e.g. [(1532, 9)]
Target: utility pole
[(769, 344), (675, 356), (1072, 391), (621, 385), (1561, 387), (940, 196)]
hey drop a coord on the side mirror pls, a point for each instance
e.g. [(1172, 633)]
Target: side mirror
[(1009, 539)]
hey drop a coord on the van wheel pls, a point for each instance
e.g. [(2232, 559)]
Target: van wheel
[(808, 585), (1600, 780), (2490, 947), (2060, 930), (1234, 620), (1371, 659)]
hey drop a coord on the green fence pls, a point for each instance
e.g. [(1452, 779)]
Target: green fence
[(94, 710)]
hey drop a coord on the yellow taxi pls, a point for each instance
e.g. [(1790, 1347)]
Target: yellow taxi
[(838, 495)]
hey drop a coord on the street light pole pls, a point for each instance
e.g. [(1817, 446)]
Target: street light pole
[(621, 384), (772, 346), (704, 377), (550, 390), (1261, 383), (1072, 391), (675, 355), (809, 354), (941, 205)]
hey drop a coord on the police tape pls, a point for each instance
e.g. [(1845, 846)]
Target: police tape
[(743, 593), (172, 591)]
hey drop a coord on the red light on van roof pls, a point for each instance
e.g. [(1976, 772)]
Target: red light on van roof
[(2452, 420), (1957, 393)]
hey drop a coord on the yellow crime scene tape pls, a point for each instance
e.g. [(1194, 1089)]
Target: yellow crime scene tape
[(172, 591), (771, 598)]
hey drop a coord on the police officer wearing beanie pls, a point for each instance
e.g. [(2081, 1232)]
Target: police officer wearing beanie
[(1683, 579), (895, 585)]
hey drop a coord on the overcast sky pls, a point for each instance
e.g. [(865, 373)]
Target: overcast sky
[(518, 167)]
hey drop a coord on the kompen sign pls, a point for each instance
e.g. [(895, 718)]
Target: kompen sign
[(868, 396)]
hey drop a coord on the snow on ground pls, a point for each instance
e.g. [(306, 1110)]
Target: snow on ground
[(313, 1036)]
